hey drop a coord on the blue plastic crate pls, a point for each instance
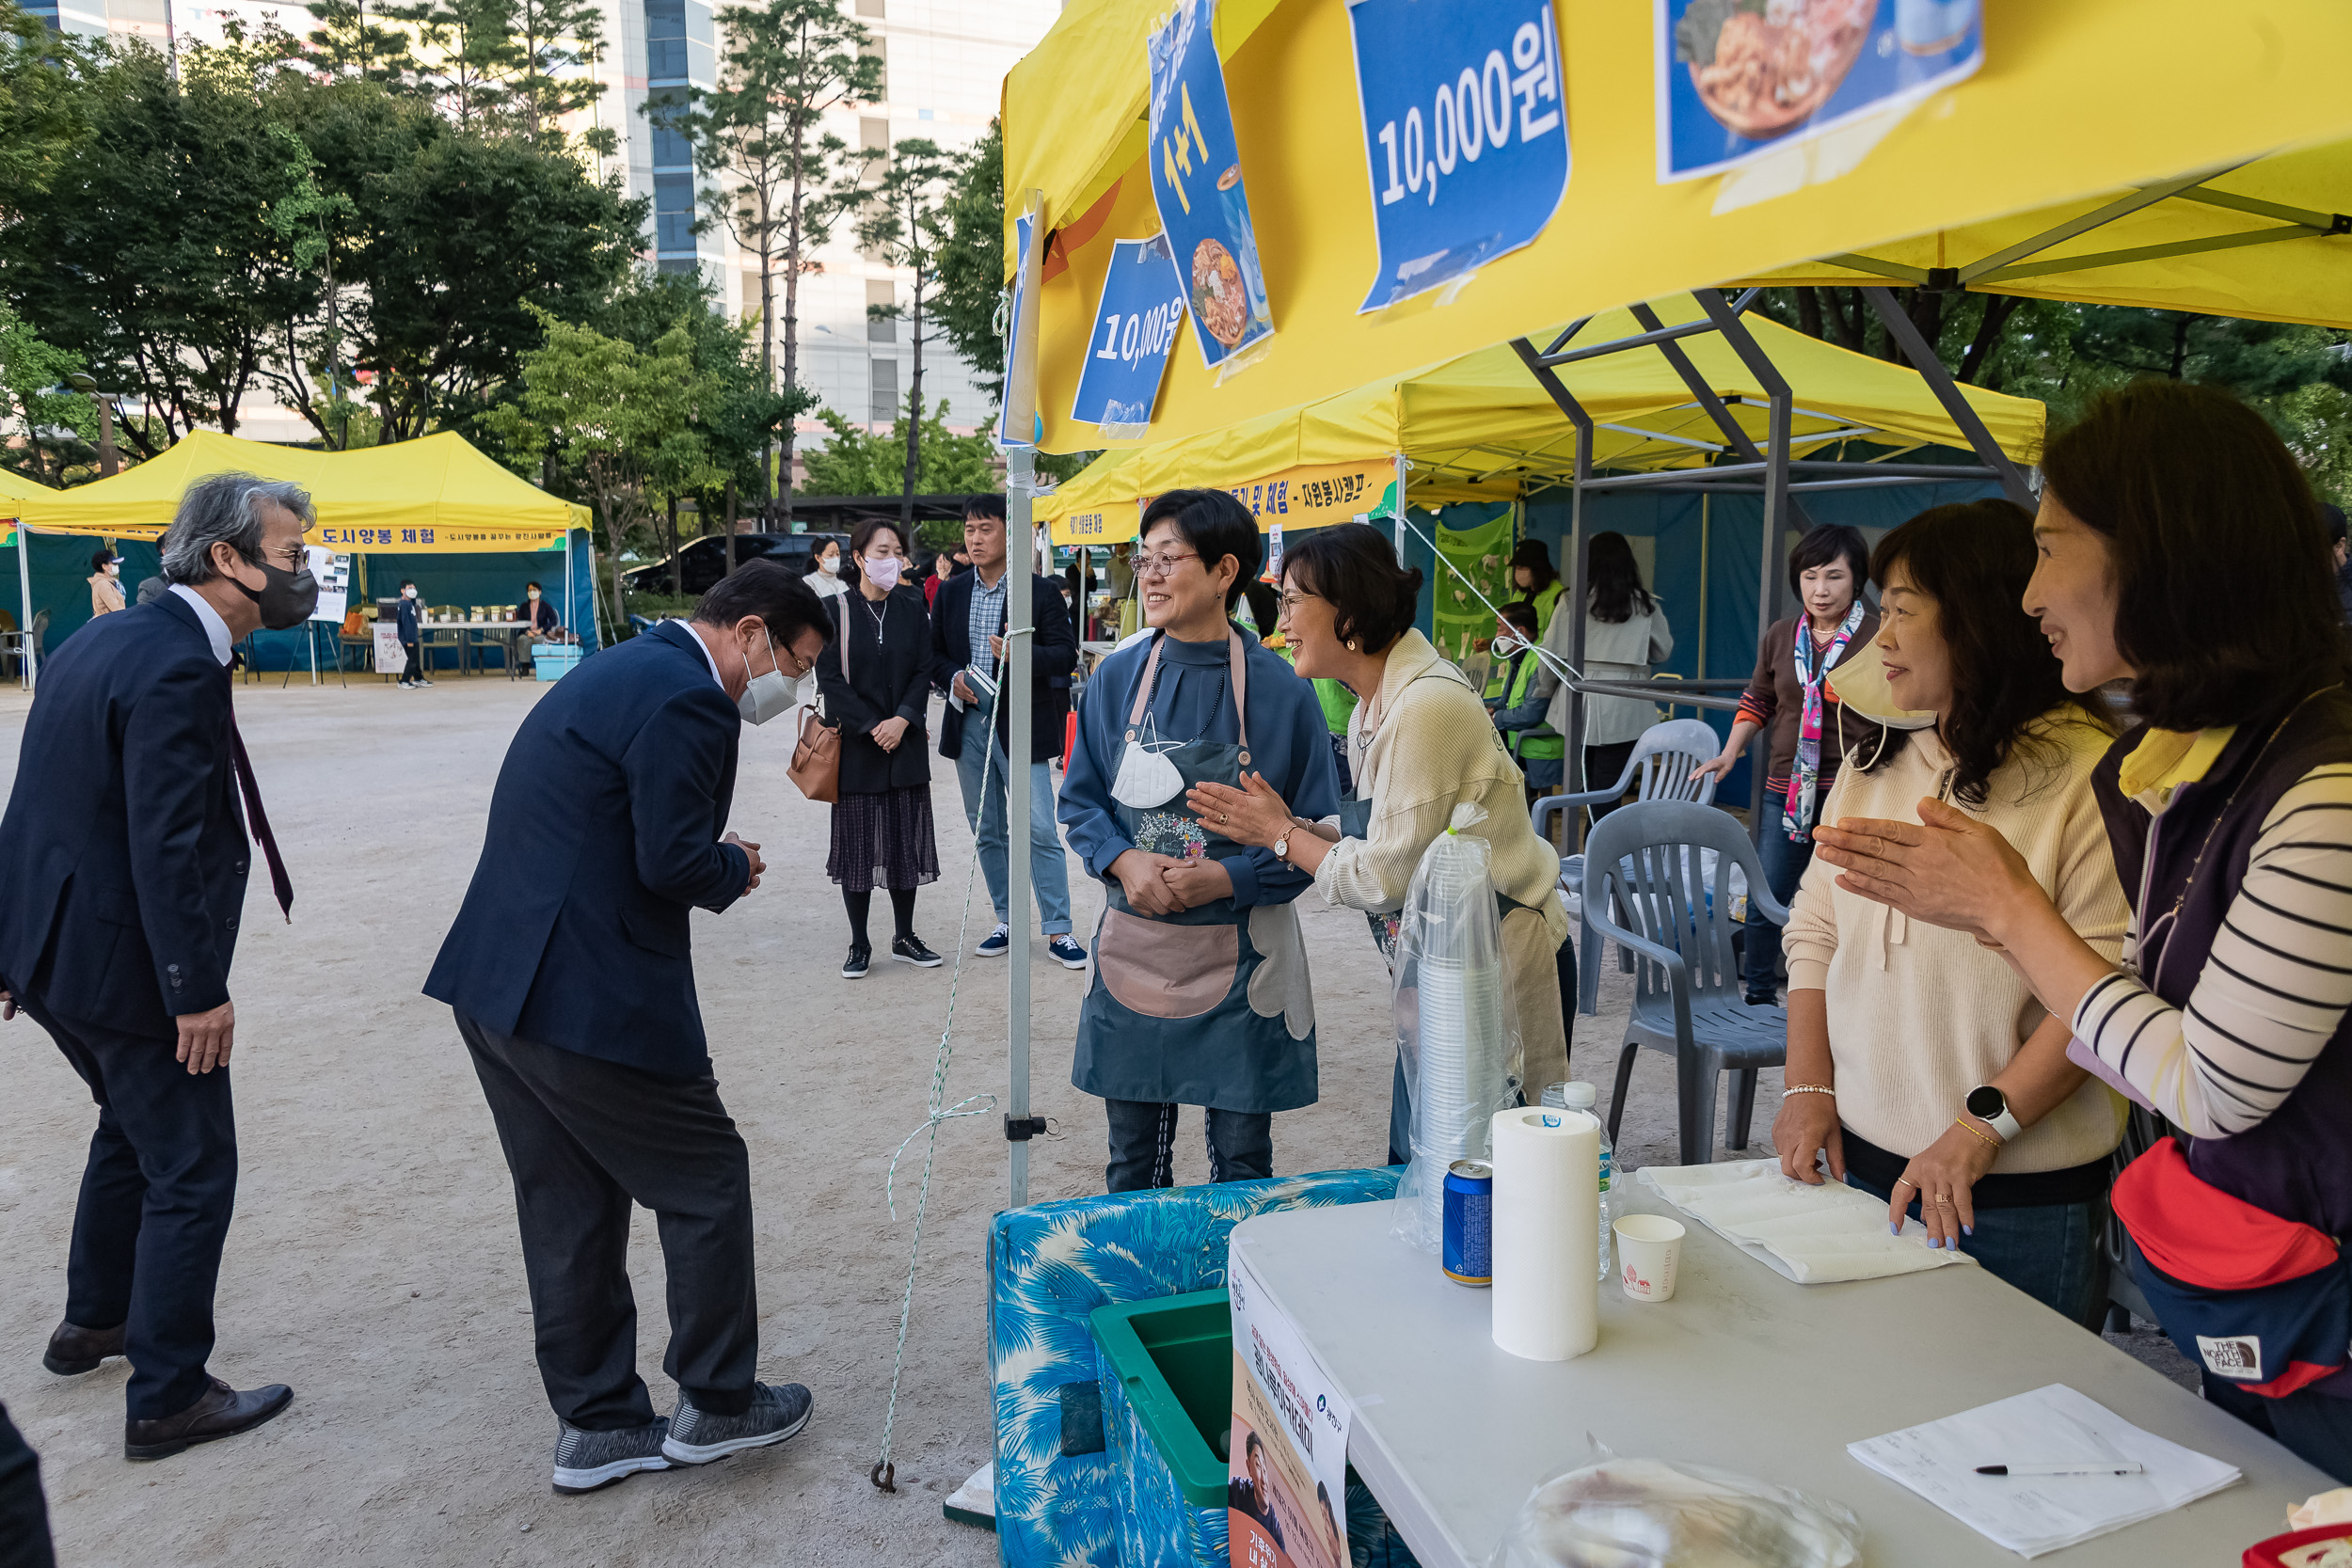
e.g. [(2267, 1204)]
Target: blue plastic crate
[(552, 662)]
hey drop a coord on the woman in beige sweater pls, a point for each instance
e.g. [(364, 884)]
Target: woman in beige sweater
[(1920, 1065), (1420, 744)]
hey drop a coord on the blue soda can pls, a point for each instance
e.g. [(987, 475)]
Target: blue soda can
[(1469, 1250)]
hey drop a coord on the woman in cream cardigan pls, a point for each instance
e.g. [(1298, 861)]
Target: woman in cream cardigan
[(1420, 743), (1919, 1062)]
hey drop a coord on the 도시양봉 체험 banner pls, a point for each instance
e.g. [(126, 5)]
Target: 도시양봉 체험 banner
[(1741, 78), (1143, 304), (1196, 183), (1464, 132)]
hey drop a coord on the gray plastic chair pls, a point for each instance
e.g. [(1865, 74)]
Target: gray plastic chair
[(1642, 867)]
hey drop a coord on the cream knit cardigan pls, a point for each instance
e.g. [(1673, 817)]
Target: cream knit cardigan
[(1919, 1015)]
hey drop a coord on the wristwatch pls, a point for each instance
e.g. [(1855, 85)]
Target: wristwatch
[(1282, 847), (1991, 1106)]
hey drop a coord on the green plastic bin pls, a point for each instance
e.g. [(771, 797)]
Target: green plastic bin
[(1174, 1358)]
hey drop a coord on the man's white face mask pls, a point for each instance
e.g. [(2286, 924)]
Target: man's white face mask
[(1859, 682), (770, 694), (1505, 645)]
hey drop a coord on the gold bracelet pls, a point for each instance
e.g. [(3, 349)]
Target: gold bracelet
[(1808, 1088), (1963, 1125)]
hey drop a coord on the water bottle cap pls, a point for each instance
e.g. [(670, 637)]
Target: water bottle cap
[(1580, 1096)]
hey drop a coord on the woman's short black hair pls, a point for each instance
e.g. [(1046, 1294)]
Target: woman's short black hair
[(1214, 525), (99, 560), (867, 530), (1823, 543), (1520, 614), (787, 605), (1973, 559), (2224, 600), (1353, 567), (1537, 558)]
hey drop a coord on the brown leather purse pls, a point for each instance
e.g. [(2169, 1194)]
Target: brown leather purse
[(816, 755)]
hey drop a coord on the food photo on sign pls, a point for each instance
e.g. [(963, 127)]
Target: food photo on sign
[(1741, 78), (1136, 324), (1464, 134), (1196, 183)]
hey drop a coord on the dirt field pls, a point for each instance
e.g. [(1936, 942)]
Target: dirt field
[(374, 1264)]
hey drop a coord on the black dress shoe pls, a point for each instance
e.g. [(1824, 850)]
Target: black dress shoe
[(221, 1412), (75, 1350)]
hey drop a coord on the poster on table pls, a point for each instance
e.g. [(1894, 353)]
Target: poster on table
[(1135, 329), (1286, 1491), (333, 573), (1737, 79), (1197, 185), (1464, 132)]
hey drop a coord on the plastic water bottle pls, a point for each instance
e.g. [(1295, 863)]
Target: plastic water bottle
[(1577, 1095)]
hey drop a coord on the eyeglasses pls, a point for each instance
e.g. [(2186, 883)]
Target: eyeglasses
[(1294, 599), (1161, 564), (292, 557)]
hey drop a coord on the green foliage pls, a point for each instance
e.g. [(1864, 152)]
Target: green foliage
[(348, 41), (972, 264), (60, 427), (854, 462), (904, 220), (44, 112)]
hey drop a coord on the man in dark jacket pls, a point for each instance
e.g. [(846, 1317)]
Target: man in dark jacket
[(573, 982), (967, 623), (122, 874), (407, 625)]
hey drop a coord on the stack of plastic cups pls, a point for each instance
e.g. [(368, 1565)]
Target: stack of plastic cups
[(1463, 1048)]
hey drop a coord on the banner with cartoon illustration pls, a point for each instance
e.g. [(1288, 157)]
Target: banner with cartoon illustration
[(1464, 132), (1741, 78), (1462, 625), (1136, 326), (1196, 183), (1286, 1495)]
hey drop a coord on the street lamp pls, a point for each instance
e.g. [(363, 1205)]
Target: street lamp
[(107, 464)]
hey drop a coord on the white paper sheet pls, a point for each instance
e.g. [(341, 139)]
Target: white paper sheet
[(2034, 1515), (1813, 1235)]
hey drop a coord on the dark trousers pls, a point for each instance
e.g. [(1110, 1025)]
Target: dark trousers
[(23, 1512), (584, 1139), (2051, 1251), (1783, 868), (156, 1197), (410, 670), (1603, 766), (1143, 1145), (2316, 1428)]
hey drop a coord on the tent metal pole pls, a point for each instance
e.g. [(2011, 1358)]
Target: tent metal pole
[(1398, 519), (29, 662), (1020, 547), (1549, 379), (1931, 369), (1704, 396)]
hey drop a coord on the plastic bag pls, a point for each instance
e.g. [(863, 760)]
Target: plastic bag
[(1458, 1030), (1616, 1513)]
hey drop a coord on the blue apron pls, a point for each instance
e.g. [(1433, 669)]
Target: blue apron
[(1210, 1007)]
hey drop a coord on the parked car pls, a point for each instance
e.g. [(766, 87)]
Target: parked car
[(697, 566)]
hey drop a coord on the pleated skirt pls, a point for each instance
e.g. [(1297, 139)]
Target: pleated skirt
[(883, 841)]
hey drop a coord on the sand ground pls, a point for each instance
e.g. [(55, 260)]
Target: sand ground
[(374, 1264)]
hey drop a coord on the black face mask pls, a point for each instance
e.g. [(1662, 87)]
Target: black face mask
[(285, 598)]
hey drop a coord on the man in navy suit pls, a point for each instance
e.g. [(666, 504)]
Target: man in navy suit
[(122, 874), (571, 975)]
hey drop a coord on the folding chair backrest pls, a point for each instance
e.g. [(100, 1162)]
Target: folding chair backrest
[(1644, 865), (1666, 754)]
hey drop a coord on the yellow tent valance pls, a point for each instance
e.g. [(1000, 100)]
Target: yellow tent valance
[(2078, 106), (1479, 428), (434, 495)]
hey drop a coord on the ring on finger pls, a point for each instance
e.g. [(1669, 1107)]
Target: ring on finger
[(1906, 1181), (1942, 1201)]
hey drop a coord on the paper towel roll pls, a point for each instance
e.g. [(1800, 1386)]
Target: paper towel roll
[(1547, 1230)]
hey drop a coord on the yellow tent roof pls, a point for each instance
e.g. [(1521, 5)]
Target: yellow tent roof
[(1480, 428), (2078, 104), (16, 487), (437, 494)]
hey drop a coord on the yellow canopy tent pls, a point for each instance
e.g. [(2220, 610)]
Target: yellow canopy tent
[(434, 495), (1481, 428), (2141, 114)]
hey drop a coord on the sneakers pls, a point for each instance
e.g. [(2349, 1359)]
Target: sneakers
[(1068, 953), (996, 944), (698, 1436), (587, 1460), (853, 967), (910, 950)]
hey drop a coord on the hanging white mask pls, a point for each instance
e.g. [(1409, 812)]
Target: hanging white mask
[(1146, 777), (1859, 684)]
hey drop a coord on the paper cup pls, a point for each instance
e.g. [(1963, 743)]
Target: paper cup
[(1649, 1249)]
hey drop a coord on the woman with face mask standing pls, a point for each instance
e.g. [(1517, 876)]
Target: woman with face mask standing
[(825, 575), (105, 584), (1920, 1067), (875, 676)]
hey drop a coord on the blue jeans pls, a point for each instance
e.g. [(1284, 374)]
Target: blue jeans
[(1049, 874), (2051, 1251), (1783, 868)]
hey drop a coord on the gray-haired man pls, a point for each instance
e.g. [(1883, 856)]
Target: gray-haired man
[(122, 873)]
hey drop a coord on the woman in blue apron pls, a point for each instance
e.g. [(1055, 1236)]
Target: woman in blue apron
[(1200, 993)]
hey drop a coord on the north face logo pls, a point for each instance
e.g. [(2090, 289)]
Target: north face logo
[(2238, 1357)]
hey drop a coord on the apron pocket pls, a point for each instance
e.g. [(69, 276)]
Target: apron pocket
[(1164, 971)]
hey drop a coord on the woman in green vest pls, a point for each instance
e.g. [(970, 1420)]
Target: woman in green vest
[(1536, 582), (1539, 747)]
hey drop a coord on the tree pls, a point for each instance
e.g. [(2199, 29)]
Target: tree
[(905, 218), (555, 47), (348, 43), (772, 176), (855, 462), (32, 376), (470, 59), (308, 220), (972, 266), (44, 109)]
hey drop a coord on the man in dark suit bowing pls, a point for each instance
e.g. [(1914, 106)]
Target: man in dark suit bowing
[(570, 973), (122, 873)]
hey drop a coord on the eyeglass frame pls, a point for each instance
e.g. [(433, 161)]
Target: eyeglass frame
[(1155, 563)]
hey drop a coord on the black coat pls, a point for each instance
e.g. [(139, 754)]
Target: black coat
[(1053, 657), (604, 832), (889, 677), (123, 857)]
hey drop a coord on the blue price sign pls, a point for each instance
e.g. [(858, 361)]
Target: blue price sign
[(1017, 420), (1464, 130), (1196, 183), (1143, 304)]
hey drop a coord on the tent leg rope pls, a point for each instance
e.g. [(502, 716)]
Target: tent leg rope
[(885, 1474)]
